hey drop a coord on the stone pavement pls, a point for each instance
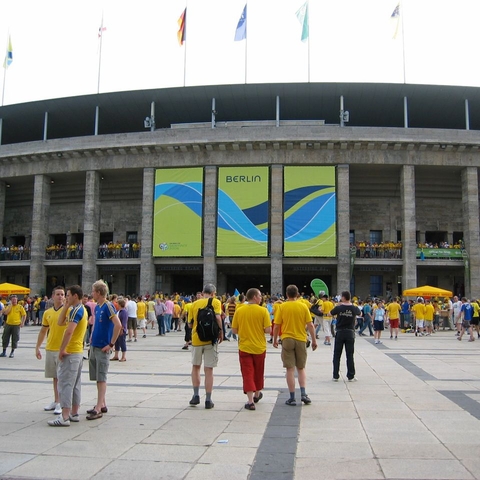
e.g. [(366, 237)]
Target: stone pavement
[(414, 413)]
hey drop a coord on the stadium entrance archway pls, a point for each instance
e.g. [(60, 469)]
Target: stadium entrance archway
[(187, 284), (241, 278)]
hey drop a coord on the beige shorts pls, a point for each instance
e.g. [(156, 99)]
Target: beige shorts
[(209, 353), (141, 323), (294, 353), (51, 364), (151, 317)]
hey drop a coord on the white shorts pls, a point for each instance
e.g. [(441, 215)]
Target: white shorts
[(151, 317), (141, 323), (420, 323)]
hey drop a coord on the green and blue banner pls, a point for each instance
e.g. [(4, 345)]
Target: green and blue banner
[(243, 212), (309, 212), (178, 212)]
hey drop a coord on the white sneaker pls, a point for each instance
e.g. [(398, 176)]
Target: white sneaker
[(58, 409), (74, 418), (376, 342), (59, 422), (50, 407)]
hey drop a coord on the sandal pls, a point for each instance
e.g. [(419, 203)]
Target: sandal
[(103, 410), (250, 406), (123, 360), (113, 359), (257, 399), (94, 415)]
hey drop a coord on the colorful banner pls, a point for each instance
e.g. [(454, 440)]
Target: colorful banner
[(309, 212), (178, 212), (440, 253), (243, 212)]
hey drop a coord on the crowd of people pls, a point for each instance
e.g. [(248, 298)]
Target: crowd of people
[(71, 321), (14, 252), (119, 250)]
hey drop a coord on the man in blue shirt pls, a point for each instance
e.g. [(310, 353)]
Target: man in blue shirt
[(466, 314), (405, 314), (106, 329)]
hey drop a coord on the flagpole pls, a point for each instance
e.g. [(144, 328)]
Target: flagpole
[(402, 17), (5, 66), (100, 55), (246, 42), (185, 51)]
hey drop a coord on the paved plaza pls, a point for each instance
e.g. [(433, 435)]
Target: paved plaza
[(414, 413)]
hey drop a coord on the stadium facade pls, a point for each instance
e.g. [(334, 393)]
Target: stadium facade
[(82, 184)]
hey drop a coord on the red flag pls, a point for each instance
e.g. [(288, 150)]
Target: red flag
[(182, 27)]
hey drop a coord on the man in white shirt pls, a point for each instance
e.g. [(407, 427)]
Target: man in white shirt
[(457, 314), (131, 308)]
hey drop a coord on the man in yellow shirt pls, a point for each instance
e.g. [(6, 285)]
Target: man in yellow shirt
[(142, 316), (393, 313), (151, 317), (54, 341), (251, 323), (419, 313), (15, 320), (205, 351), (70, 356), (429, 314), (327, 307), (292, 317)]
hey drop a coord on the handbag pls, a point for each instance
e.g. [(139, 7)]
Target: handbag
[(315, 310)]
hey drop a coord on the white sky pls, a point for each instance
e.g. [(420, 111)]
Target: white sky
[(55, 44)]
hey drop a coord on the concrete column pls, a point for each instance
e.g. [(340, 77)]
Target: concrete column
[(276, 230), (40, 215), (409, 226), (343, 228), (147, 268), (471, 229), (91, 230), (210, 226), (3, 197)]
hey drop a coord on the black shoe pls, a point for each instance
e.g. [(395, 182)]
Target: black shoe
[(144, 336), (3, 354), (209, 404), (257, 399), (271, 341), (306, 400), (291, 401), (11, 355), (195, 400)]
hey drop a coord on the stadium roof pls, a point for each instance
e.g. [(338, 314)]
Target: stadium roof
[(370, 105)]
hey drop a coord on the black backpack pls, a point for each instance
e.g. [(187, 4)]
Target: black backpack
[(207, 326)]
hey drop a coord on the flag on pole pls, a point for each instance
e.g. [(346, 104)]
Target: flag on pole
[(241, 31), (182, 27), (236, 293), (396, 19), (302, 15), (9, 54)]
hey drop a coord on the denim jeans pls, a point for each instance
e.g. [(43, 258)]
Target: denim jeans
[(366, 323), (161, 325), (347, 338), (167, 321)]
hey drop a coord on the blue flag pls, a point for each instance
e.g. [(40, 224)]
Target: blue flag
[(241, 31), (9, 54), (236, 293)]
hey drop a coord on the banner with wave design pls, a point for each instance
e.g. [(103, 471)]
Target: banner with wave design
[(178, 212), (309, 212), (243, 212)]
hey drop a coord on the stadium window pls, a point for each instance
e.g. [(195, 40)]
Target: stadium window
[(435, 238), (352, 237), (132, 237), (457, 237), (376, 285), (399, 235), (376, 236)]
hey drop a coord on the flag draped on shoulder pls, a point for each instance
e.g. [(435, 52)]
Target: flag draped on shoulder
[(396, 19), (241, 31), (302, 16), (182, 27), (9, 54)]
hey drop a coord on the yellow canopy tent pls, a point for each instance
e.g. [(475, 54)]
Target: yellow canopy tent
[(11, 288), (427, 291)]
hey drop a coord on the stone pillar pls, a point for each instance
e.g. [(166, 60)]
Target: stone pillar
[(210, 226), (409, 226), (40, 215), (343, 229), (3, 197), (276, 230), (147, 268), (471, 230), (91, 230)]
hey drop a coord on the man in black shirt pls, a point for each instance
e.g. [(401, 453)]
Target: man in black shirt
[(346, 314)]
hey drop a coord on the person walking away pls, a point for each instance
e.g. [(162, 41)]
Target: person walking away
[(429, 315), (466, 316), (393, 314), (327, 319), (367, 318), (345, 313), (167, 317), (251, 323), (419, 314), (142, 316), (105, 332), (132, 319), (159, 312), (55, 334), (121, 344), (292, 317), (230, 311), (151, 317), (70, 357), (16, 316), (188, 331), (205, 351)]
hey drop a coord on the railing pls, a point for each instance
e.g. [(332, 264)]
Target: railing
[(14, 253), (382, 250), (119, 250), (451, 253), (64, 252)]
